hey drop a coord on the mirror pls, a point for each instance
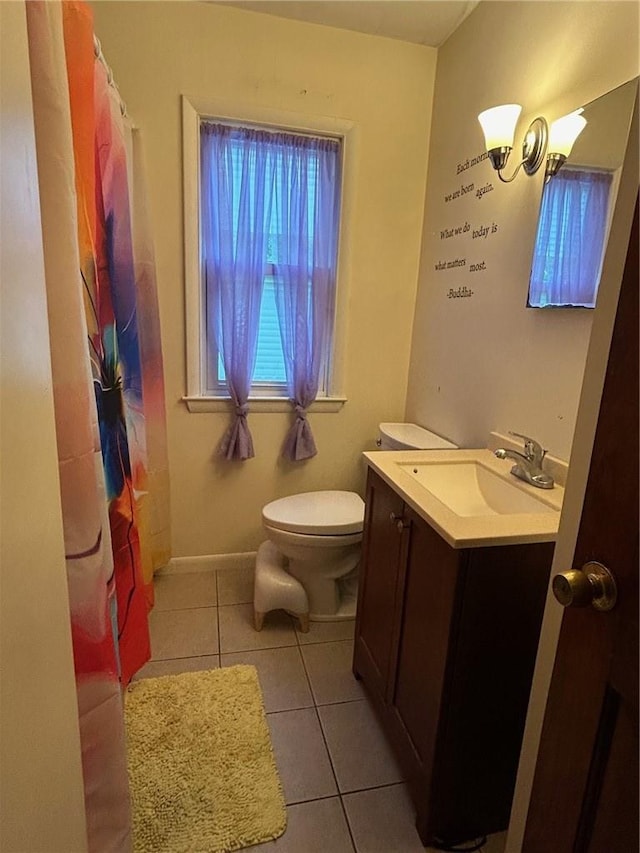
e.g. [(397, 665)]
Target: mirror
[(577, 207)]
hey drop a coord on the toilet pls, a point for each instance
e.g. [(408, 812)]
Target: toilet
[(319, 534)]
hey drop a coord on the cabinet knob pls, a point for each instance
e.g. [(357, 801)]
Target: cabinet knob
[(592, 584), (399, 520)]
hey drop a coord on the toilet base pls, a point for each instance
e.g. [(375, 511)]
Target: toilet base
[(347, 588), (346, 611), (331, 599)]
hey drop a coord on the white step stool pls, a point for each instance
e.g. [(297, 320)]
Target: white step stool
[(275, 589)]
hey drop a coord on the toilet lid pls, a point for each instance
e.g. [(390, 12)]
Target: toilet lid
[(328, 513)]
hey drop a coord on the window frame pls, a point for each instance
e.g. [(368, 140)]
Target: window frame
[(272, 400)]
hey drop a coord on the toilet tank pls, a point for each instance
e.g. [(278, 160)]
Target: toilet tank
[(411, 437)]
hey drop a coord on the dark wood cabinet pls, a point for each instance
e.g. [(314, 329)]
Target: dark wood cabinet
[(445, 645)]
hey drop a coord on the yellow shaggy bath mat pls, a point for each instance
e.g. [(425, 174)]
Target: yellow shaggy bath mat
[(201, 768)]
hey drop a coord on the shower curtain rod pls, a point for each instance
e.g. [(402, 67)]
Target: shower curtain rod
[(97, 49)]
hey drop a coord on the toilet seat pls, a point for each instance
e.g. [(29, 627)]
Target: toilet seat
[(326, 513)]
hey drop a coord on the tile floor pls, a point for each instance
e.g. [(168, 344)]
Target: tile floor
[(343, 788)]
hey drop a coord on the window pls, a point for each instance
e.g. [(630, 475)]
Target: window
[(570, 241), (269, 216), (262, 209), (203, 369), (269, 369)]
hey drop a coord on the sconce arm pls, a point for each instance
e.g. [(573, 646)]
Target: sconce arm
[(508, 180)]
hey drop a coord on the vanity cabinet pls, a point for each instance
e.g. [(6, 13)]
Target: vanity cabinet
[(445, 645)]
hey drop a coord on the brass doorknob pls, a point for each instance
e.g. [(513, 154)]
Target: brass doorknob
[(592, 584)]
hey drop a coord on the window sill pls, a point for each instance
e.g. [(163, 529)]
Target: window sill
[(261, 404)]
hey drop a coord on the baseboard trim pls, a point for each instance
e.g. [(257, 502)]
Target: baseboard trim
[(208, 563)]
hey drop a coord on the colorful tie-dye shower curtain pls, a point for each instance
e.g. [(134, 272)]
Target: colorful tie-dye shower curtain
[(107, 268), (107, 384)]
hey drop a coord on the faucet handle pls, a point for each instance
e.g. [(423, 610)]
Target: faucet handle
[(533, 450)]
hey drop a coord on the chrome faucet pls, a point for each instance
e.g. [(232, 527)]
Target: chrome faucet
[(528, 465)]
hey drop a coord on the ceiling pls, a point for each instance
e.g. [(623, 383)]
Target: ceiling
[(428, 22)]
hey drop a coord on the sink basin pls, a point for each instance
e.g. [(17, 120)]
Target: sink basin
[(471, 489)]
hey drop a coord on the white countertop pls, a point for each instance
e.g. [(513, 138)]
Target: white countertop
[(469, 531)]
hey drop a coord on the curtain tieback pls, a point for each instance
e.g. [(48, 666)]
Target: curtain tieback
[(301, 412), (242, 411)]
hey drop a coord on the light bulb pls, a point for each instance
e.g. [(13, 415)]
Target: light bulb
[(499, 125), (564, 132)]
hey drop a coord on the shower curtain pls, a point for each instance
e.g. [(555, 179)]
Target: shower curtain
[(106, 265), (107, 385)]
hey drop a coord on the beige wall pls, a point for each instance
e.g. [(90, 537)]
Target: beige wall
[(42, 799), (159, 51), (486, 362)]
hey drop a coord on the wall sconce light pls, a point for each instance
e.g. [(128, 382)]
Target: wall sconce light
[(562, 135), (499, 125)]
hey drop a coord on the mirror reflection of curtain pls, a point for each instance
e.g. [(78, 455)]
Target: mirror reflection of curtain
[(570, 239)]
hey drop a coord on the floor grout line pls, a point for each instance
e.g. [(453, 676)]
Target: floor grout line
[(218, 620), (372, 788), (314, 800), (184, 657), (317, 707), (252, 649), (326, 746), (335, 776), (326, 642), (348, 823)]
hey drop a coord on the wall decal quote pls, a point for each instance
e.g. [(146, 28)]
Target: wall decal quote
[(457, 236)]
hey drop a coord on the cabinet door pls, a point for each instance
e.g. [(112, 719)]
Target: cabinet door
[(491, 666), (382, 557), (431, 590)]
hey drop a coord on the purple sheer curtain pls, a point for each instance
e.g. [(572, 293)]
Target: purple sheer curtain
[(306, 202), (269, 205), (235, 210), (569, 244)]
